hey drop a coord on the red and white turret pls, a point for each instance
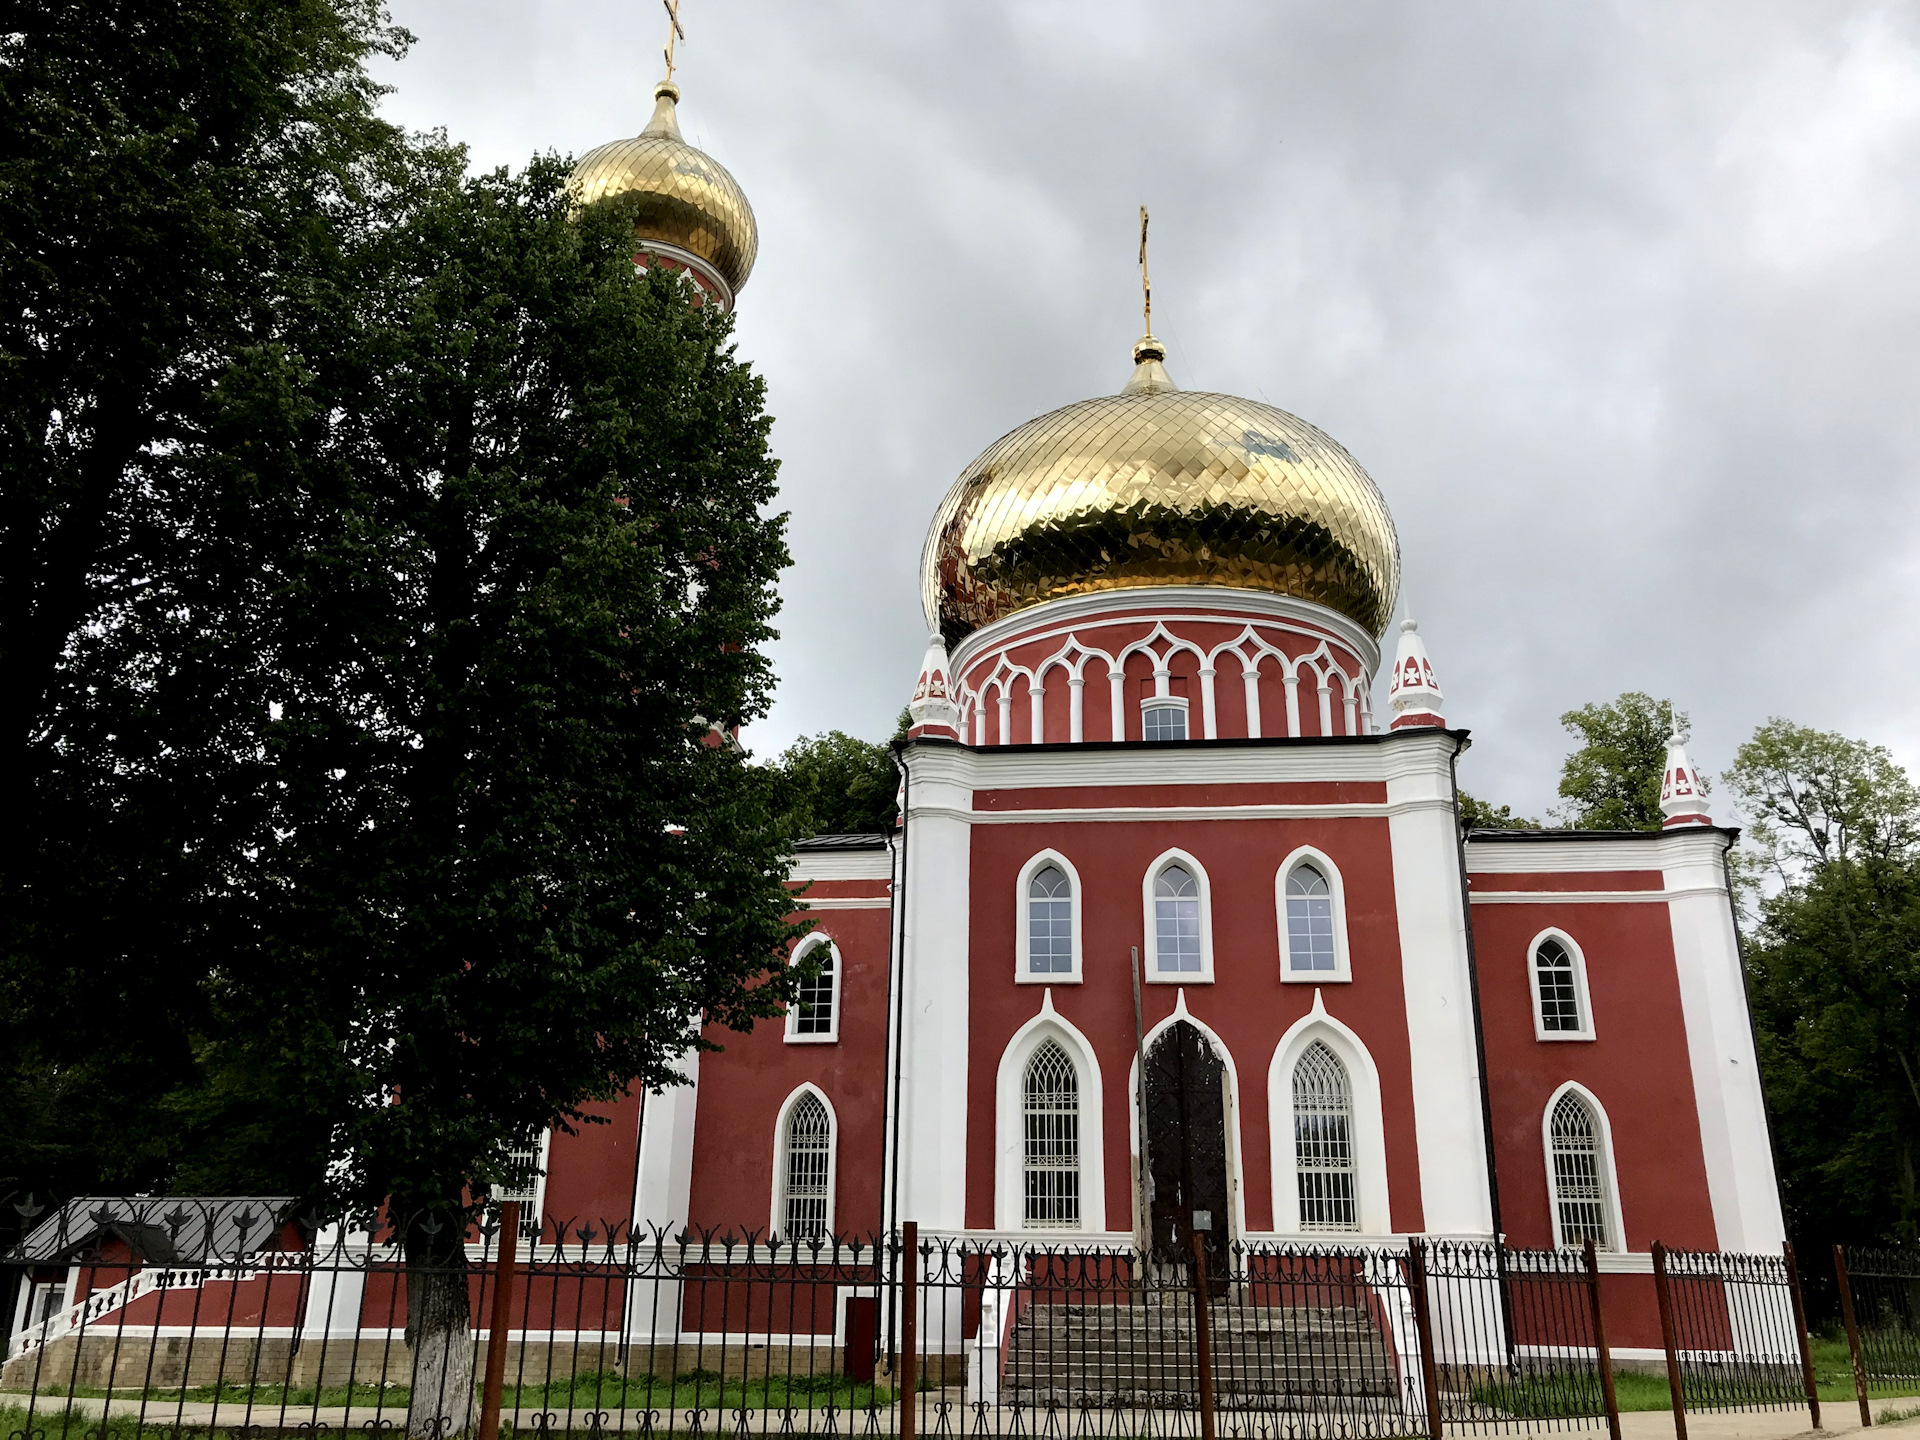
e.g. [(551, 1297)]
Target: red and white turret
[(932, 709), (1414, 694), (1683, 796)]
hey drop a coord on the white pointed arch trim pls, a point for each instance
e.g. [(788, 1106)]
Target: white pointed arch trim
[(1342, 962), (1236, 1191), (1372, 1203), (1609, 1175), (1023, 934), (1581, 993), (777, 1211), (1010, 1156), (1150, 952), (805, 948)]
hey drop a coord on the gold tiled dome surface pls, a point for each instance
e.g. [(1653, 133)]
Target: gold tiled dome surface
[(1158, 486), (685, 196)]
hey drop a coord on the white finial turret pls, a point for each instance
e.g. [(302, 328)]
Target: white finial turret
[(1683, 799), (1414, 693), (932, 709)]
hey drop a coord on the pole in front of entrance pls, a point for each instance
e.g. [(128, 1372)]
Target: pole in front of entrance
[(1143, 1183), (1203, 1335)]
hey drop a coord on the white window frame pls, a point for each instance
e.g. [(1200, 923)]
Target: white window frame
[(1151, 950), (1023, 936), (1581, 996), (1166, 702), (1342, 972), (1609, 1176), (777, 1210), (800, 952), (1010, 1148), (1372, 1202)]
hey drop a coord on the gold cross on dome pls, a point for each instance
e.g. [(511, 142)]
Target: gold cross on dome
[(1146, 284), (674, 32)]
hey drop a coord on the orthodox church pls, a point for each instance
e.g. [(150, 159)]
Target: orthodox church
[(1180, 931)]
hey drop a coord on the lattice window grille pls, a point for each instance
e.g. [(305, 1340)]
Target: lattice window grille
[(1176, 920), (1050, 923), (1309, 921), (813, 1001), (809, 1146), (1579, 1190), (1323, 1141), (1050, 1113), (1559, 996), (1164, 722)]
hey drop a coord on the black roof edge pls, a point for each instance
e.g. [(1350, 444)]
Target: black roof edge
[(1264, 742)]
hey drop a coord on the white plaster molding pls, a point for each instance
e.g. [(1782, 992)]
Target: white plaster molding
[(1588, 897), (846, 902), (1609, 1175), (1372, 760), (1655, 850), (875, 864), (1009, 1186), (1342, 957), (1372, 1201)]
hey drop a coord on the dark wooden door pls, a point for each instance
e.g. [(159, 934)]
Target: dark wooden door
[(1187, 1146)]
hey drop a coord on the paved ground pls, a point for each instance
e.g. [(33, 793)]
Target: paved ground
[(1836, 1418)]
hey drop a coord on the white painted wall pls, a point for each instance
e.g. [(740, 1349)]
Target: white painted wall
[(1433, 959)]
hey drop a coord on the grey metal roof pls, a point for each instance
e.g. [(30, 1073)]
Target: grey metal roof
[(872, 841), (170, 1229)]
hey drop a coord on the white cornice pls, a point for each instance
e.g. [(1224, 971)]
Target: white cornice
[(1169, 602), (846, 902), (1363, 759), (1589, 897), (1107, 814), (842, 865), (1657, 850)]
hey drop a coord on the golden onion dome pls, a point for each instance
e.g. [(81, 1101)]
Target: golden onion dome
[(1160, 486), (687, 200)]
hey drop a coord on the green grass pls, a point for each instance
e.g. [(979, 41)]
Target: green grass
[(1889, 1415)]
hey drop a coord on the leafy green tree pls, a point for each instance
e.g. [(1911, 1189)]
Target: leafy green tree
[(169, 176), (1834, 968), (526, 568), (839, 785), (1612, 782), (1480, 815)]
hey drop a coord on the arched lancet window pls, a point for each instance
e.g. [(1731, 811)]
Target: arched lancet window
[(813, 1001), (1050, 1111), (1050, 922), (1176, 921), (806, 1169), (1579, 1183), (1323, 1141), (1558, 987), (1310, 921)]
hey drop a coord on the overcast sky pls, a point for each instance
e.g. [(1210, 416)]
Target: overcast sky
[(1619, 304)]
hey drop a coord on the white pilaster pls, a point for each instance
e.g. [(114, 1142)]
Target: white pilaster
[(1209, 726), (1726, 1072), (1076, 709), (663, 1197), (1251, 679), (1116, 692), (1447, 1114)]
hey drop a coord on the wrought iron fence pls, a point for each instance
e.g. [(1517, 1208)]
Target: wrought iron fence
[(1735, 1334), (1880, 1307), (144, 1315)]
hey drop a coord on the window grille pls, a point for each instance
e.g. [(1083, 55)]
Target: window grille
[(813, 1001), (1176, 921), (809, 1145), (1579, 1192), (1050, 923), (1050, 1110), (524, 1158), (1164, 722), (1309, 921), (1323, 1141), (1559, 997)]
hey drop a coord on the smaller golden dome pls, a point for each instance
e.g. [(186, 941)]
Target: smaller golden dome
[(688, 201)]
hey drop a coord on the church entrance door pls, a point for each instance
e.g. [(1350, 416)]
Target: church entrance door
[(1186, 1129)]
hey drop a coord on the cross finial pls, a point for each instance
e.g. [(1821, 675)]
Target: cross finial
[(674, 32), (1146, 284)]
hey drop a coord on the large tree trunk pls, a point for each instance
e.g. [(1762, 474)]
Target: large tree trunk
[(439, 1334)]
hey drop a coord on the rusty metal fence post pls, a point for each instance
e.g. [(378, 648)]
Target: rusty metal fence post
[(1423, 1330), (502, 1318), (1853, 1336), (1602, 1352), (909, 1374), (1669, 1339), (1203, 1336), (1800, 1333)]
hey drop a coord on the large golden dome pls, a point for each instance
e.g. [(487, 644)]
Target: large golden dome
[(1160, 486), (688, 201)]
